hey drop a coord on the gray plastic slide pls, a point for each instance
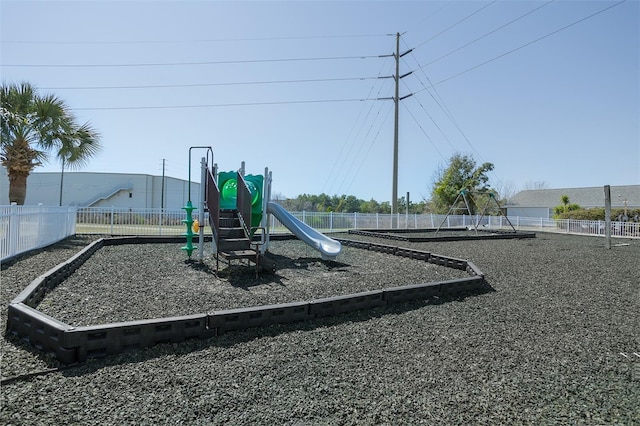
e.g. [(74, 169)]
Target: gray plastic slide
[(328, 247)]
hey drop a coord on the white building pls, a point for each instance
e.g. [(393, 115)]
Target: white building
[(540, 202), (83, 189)]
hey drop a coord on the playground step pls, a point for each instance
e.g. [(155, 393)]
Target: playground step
[(229, 219), (239, 254), (234, 244), (228, 213), (229, 222), (226, 233)]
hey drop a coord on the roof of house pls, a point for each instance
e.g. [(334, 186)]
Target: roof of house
[(584, 197)]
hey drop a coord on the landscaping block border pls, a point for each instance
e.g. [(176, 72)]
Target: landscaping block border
[(441, 235), (76, 344)]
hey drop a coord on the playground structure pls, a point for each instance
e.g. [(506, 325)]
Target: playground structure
[(239, 205), (237, 233), (455, 233), (468, 198)]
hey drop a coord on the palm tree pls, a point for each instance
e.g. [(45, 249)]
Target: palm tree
[(33, 128)]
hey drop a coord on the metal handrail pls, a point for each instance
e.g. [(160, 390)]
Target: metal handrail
[(213, 205)]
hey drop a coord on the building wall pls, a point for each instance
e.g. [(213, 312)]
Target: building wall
[(541, 202), (104, 190), (542, 212)]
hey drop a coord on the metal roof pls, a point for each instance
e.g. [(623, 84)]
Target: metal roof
[(584, 197)]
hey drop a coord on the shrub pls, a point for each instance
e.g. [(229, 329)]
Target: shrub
[(597, 213)]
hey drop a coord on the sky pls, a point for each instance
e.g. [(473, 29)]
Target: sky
[(547, 91)]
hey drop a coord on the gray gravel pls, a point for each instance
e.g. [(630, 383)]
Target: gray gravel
[(553, 344), (153, 281)]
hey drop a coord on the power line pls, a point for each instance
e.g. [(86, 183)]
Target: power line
[(366, 154), (442, 106), (433, 120), (424, 132), (456, 23), (448, 112), (423, 19), (248, 61), (525, 45), (220, 40), (342, 159), (487, 34), (309, 101), (350, 142), (441, 103), (162, 86)]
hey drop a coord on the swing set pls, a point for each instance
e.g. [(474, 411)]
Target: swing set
[(472, 196)]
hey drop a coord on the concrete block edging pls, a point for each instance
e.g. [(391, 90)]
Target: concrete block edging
[(75, 344)]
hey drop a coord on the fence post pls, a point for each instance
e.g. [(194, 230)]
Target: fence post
[(14, 226), (607, 217), (72, 220), (330, 221), (355, 220), (112, 213), (40, 236)]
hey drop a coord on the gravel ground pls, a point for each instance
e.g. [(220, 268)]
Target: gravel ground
[(153, 281), (553, 344)]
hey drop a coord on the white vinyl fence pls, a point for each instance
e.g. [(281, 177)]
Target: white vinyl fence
[(113, 221), (25, 228), (122, 221)]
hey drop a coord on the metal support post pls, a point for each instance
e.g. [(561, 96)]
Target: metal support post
[(607, 217), (203, 191)]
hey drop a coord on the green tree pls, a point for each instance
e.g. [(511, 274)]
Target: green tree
[(351, 204), (565, 207), (35, 127), (371, 206), (324, 203), (385, 207), (462, 173)]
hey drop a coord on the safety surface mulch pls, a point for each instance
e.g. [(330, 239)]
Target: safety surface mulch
[(554, 340)]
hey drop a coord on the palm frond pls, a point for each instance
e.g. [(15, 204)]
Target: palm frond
[(46, 125)]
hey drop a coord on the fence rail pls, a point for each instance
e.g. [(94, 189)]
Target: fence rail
[(31, 227), (117, 221), (24, 228)]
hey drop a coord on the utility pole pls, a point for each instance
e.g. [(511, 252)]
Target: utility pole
[(396, 100)]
